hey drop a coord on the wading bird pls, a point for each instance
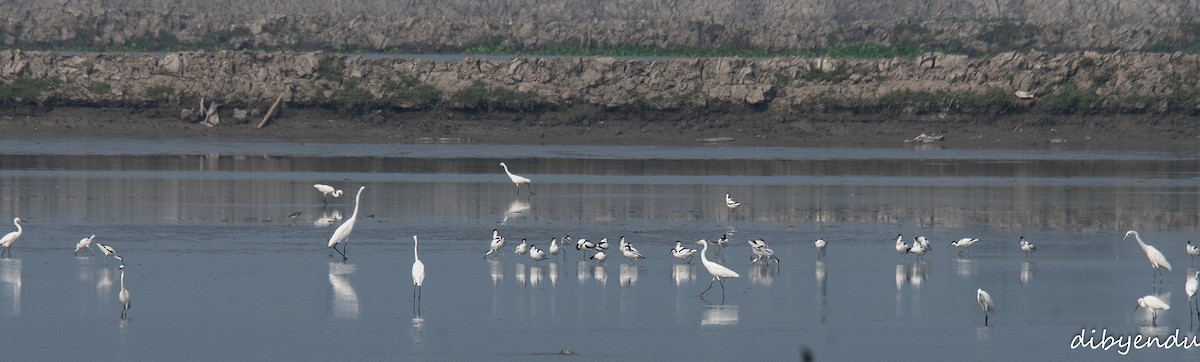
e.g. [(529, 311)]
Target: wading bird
[(685, 254), (1153, 304), (985, 303), (964, 243), (631, 252), (1027, 247), (497, 244), (717, 271), (124, 294), (923, 242), (1157, 260), (901, 246), (326, 191), (536, 253), (761, 252), (107, 250), (730, 203), (585, 244), (602, 245), (11, 238), (342, 233), (1192, 251), (523, 247), (418, 272), (820, 244), (85, 243), (600, 256), (1193, 281), (918, 249), (518, 180), (554, 249)]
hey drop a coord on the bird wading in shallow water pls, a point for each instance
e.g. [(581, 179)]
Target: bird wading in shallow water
[(1192, 251), (685, 254), (123, 296), (820, 244), (964, 243), (1157, 260), (418, 274), (1027, 247), (1154, 305), (717, 271), (342, 234), (326, 191), (518, 180), (7, 241), (497, 244), (985, 303), (85, 243)]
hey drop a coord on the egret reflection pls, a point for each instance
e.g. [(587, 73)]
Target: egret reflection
[(720, 315), (328, 218), (516, 209), (345, 300), (683, 274), (10, 277), (629, 274)]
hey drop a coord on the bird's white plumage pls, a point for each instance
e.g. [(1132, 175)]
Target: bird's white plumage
[(554, 249), (630, 252), (418, 267), (964, 243), (123, 296), (327, 190), (759, 248), (681, 252), (717, 270), (84, 243), (1027, 246), (497, 243), (517, 179), (985, 303), (523, 247), (1153, 304), (7, 241), (585, 244), (1192, 250), (602, 245), (343, 231), (600, 256), (820, 244), (917, 248), (536, 253), (730, 203), (1157, 260), (901, 246), (1193, 281)]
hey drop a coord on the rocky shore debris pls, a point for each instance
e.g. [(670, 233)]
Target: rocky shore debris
[(924, 138)]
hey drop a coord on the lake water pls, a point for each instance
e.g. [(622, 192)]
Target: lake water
[(219, 271)]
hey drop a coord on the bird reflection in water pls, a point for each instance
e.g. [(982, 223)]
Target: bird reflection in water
[(10, 277), (515, 210), (553, 274), (819, 274), (535, 276), (583, 271), (919, 272), (720, 315), (345, 300), (901, 276), (522, 279), (683, 274), (763, 274), (964, 267), (629, 274), (1026, 272), (328, 218), (600, 274), (496, 271)]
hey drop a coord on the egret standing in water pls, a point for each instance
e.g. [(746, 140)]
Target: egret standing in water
[(718, 271), (1157, 260), (1193, 281), (343, 231), (1153, 304), (7, 241), (418, 274), (326, 191), (1027, 247), (518, 180), (124, 294), (985, 303), (85, 243)]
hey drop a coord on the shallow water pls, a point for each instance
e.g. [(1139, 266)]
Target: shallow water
[(218, 269)]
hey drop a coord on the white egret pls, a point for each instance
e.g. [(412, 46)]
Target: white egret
[(1027, 247), (1192, 251), (326, 191), (537, 254), (106, 249), (523, 247), (1157, 260), (11, 238), (730, 203), (964, 243), (901, 246), (85, 243), (1193, 281), (985, 303), (1153, 304), (760, 250), (343, 231), (518, 180), (600, 256), (124, 294), (820, 244), (554, 249), (631, 252), (418, 271), (683, 253), (717, 271), (497, 244)]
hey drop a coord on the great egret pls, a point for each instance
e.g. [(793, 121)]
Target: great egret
[(760, 250), (718, 271), (327, 190), (1157, 260), (518, 180), (1153, 304), (1192, 251), (901, 246), (343, 231), (124, 294), (685, 254), (964, 243), (497, 244), (107, 250), (12, 237), (985, 303), (85, 243), (730, 203), (523, 247), (1027, 247), (820, 244), (418, 272)]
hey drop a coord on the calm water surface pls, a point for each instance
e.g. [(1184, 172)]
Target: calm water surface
[(218, 269)]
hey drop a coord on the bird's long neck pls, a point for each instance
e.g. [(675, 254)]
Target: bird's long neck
[(1139, 240), (357, 199), (19, 229), (704, 253), (415, 249), (122, 278)]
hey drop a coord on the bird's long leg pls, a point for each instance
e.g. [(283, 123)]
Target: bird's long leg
[(344, 245), (722, 288), (710, 284), (985, 319), (531, 188), (339, 252)]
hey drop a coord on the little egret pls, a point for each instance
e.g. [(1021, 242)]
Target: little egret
[(1153, 304), (730, 203), (418, 272), (343, 231), (523, 247), (124, 295), (12, 237), (985, 303), (901, 246), (717, 271), (1027, 247), (683, 253), (326, 191), (1193, 281), (518, 180), (1157, 260), (820, 244), (497, 244), (1192, 251), (85, 243), (964, 243)]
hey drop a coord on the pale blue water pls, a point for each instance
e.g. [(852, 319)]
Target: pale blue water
[(218, 270)]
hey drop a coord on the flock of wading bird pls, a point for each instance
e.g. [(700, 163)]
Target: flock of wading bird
[(759, 250)]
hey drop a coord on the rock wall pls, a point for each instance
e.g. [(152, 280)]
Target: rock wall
[(1059, 83)]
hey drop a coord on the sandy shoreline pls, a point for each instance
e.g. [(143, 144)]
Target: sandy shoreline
[(1134, 133)]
